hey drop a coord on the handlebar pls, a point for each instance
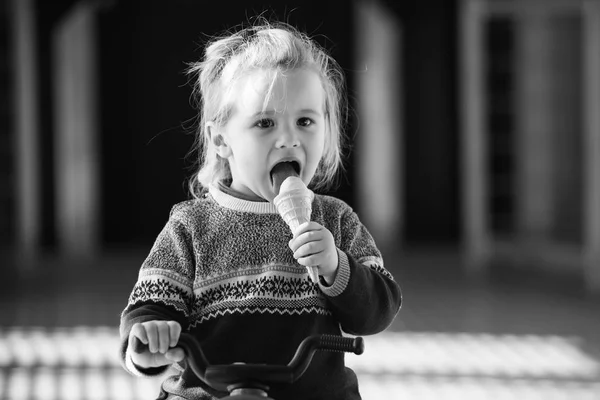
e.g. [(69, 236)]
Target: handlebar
[(239, 375)]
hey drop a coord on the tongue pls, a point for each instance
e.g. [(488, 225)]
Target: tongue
[(280, 173)]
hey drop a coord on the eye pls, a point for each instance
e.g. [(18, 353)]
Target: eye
[(264, 123), (305, 122)]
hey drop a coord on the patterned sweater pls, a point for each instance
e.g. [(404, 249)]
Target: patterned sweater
[(222, 268)]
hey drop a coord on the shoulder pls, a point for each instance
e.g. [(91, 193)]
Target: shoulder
[(333, 203), (189, 210), (331, 207)]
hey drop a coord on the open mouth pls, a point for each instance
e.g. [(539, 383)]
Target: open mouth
[(286, 168), (295, 165)]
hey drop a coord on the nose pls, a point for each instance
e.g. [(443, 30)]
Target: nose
[(287, 138)]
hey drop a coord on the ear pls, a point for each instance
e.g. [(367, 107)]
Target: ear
[(218, 140)]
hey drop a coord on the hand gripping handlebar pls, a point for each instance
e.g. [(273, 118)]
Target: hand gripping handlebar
[(239, 375)]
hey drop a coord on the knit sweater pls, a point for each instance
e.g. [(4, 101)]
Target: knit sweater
[(222, 268)]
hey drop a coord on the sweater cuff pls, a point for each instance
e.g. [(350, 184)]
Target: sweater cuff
[(341, 279)]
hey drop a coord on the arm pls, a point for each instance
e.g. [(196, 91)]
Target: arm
[(163, 291), (364, 299), (159, 328), (364, 296)]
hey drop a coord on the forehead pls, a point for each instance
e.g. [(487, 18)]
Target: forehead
[(274, 91)]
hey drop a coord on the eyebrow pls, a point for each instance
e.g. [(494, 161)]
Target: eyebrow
[(262, 113), (309, 111), (273, 112)]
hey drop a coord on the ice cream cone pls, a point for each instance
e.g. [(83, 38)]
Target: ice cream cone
[(295, 207)]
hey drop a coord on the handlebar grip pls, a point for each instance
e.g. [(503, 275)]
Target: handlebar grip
[(309, 345), (354, 345)]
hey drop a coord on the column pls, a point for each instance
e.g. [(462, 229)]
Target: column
[(379, 149), (535, 132), (549, 131), (591, 71), (76, 132), (475, 209), (26, 129)]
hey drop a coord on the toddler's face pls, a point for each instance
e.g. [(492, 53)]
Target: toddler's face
[(289, 127)]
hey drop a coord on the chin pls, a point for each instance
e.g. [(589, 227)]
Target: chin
[(269, 197)]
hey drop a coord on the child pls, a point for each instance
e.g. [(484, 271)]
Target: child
[(225, 267)]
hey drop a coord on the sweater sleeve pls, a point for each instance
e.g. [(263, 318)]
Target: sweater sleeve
[(164, 288), (364, 297)]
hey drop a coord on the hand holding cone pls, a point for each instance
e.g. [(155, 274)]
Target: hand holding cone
[(294, 204)]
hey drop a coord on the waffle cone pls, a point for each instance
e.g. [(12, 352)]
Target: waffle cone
[(294, 207)]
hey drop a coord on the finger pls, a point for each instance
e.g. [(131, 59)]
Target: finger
[(175, 354), (138, 331), (310, 256), (163, 337), (309, 261), (152, 333), (299, 238), (304, 227), (174, 332), (309, 249), (306, 238)]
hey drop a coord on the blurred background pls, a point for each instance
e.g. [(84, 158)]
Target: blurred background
[(475, 163)]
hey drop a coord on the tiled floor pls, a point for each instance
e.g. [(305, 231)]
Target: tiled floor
[(80, 363), (514, 336)]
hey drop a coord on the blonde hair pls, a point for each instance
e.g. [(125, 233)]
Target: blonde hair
[(270, 46)]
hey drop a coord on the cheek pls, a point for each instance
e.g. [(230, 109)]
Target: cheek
[(244, 145), (251, 152), (319, 144), (317, 151)]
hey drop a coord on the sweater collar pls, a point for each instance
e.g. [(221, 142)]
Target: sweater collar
[(234, 203)]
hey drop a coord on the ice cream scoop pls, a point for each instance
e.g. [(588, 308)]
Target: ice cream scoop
[(293, 201), (292, 183), (280, 173)]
